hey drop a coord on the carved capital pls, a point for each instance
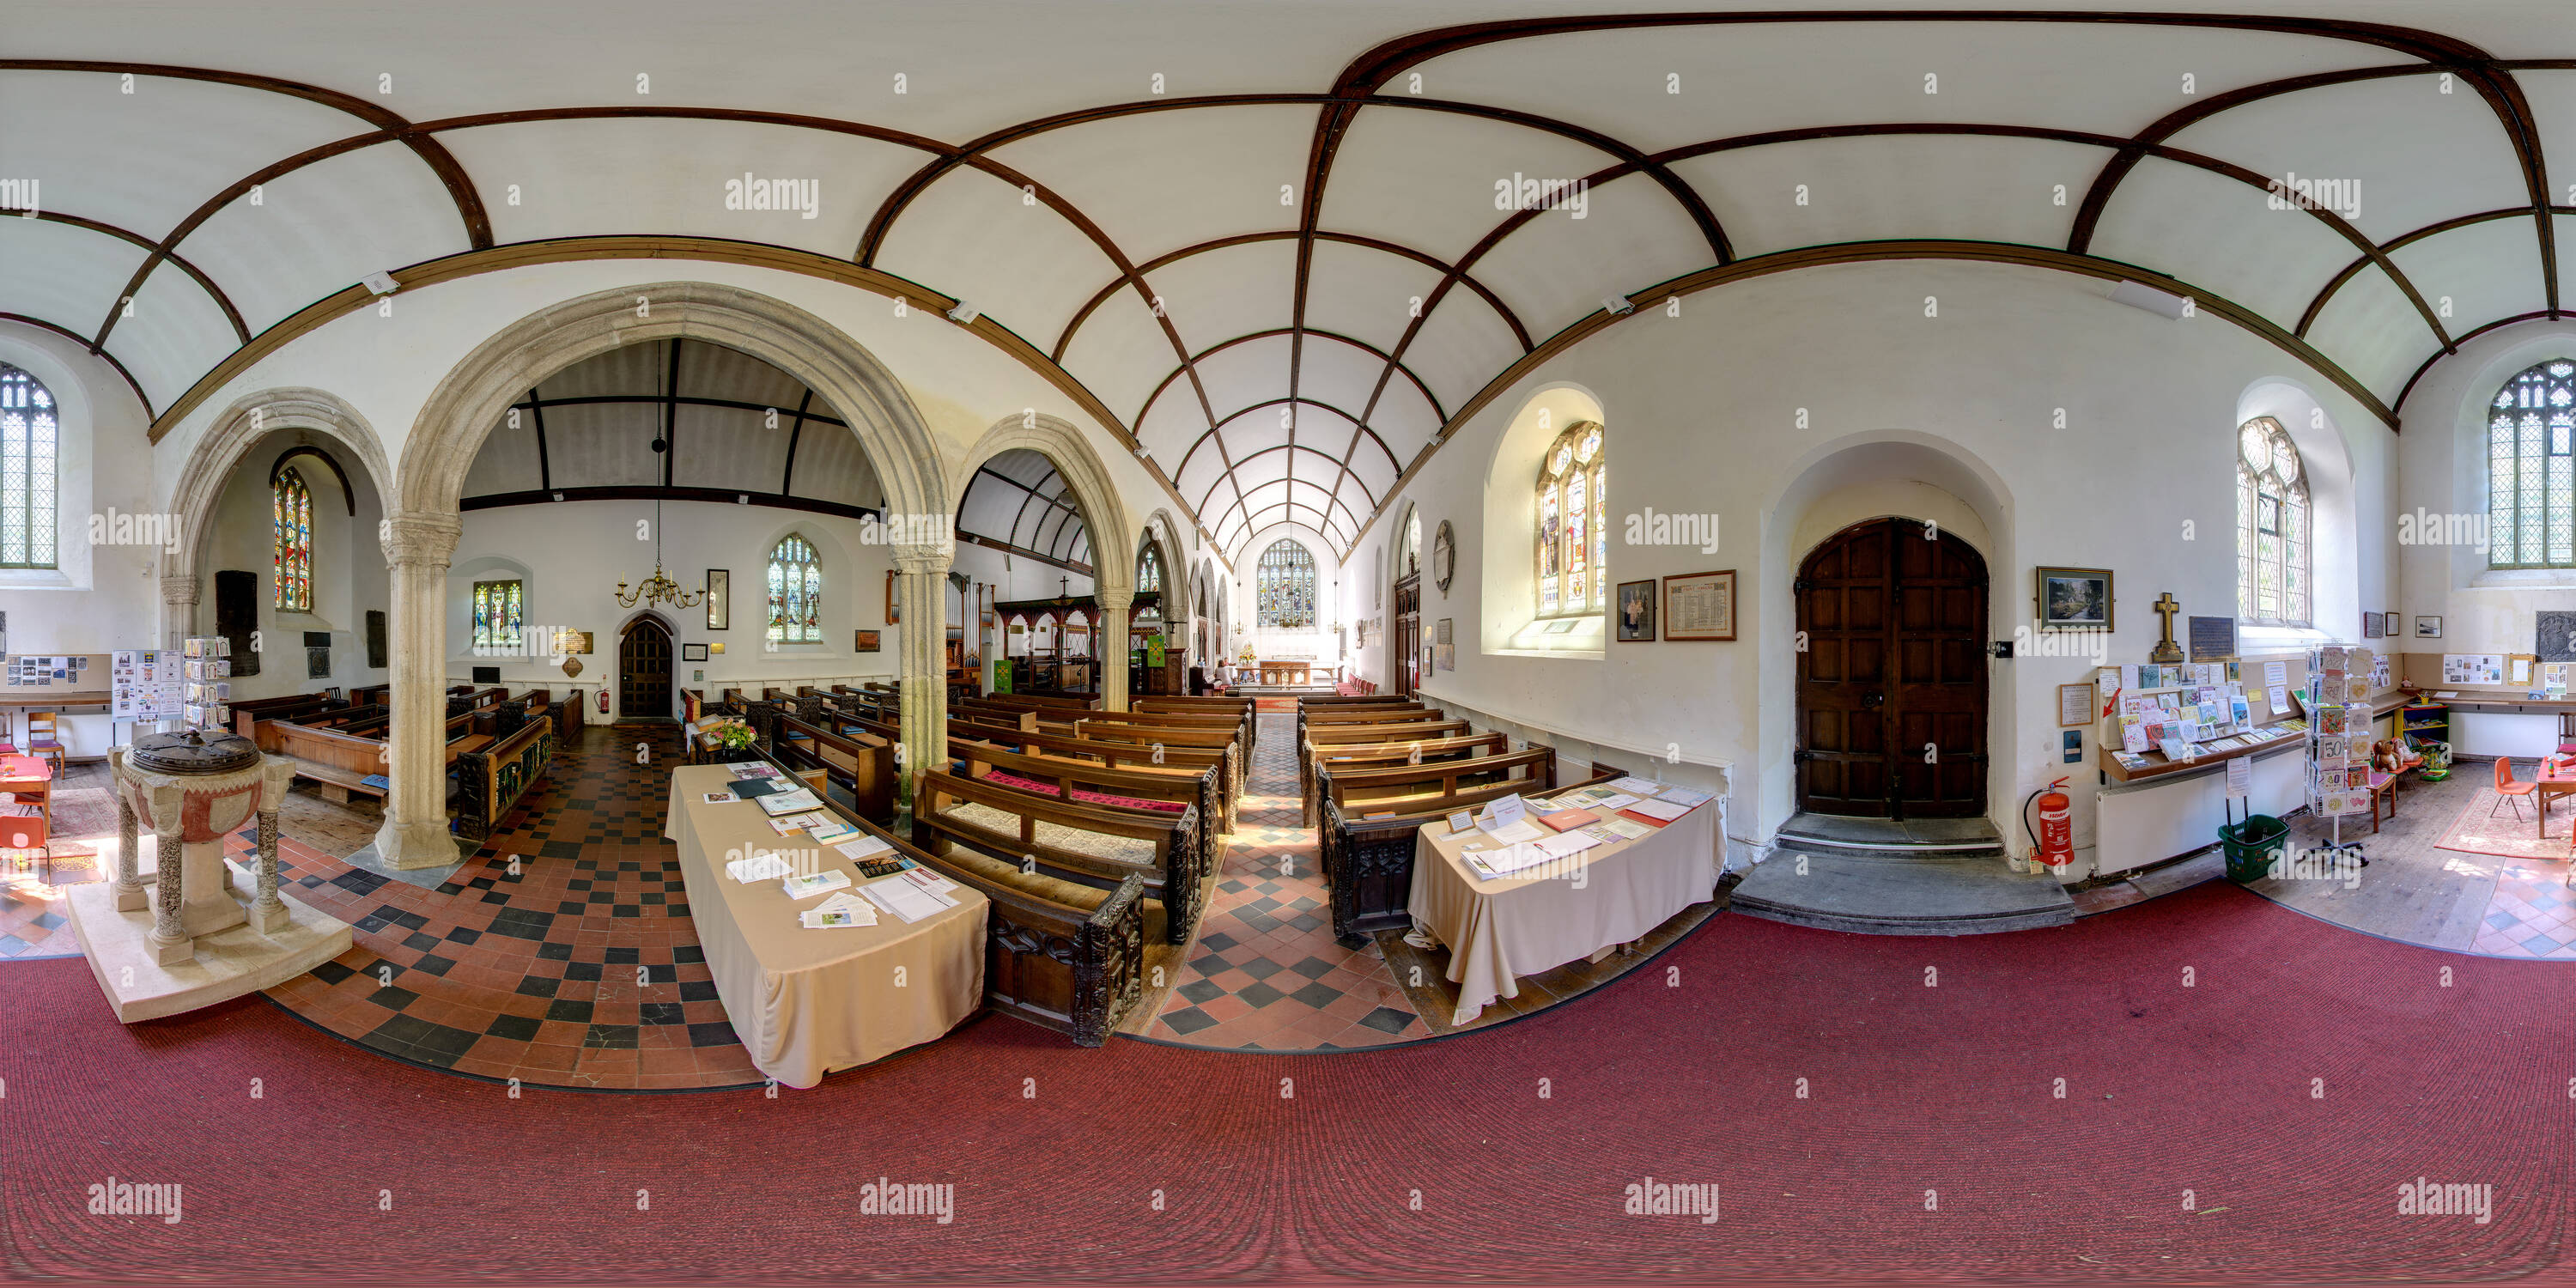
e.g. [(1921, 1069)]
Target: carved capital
[(179, 589), (932, 559), (420, 537), (1114, 599)]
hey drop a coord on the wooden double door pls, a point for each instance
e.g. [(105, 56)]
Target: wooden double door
[(1892, 675)]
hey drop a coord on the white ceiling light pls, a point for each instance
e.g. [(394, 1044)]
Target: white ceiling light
[(2138, 296)]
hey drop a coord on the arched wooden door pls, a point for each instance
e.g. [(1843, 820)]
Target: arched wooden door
[(1892, 681), (644, 671)]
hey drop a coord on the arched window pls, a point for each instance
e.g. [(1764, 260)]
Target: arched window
[(2271, 526), (1149, 568), (27, 432), (290, 508), (795, 593), (2531, 475), (1572, 541), (497, 606), (1285, 586), (1409, 557)]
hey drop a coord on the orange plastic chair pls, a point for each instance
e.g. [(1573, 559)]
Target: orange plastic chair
[(2507, 789)]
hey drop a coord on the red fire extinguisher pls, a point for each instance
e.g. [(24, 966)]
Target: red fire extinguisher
[(603, 706), (2054, 843)]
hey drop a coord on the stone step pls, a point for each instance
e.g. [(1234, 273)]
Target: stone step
[(1888, 838), (1905, 895)]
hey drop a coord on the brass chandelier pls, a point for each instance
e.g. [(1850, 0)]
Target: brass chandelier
[(657, 589)]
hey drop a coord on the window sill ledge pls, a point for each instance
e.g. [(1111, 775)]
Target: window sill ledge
[(2524, 578), (1560, 654), (35, 579)]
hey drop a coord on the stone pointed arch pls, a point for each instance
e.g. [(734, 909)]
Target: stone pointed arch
[(1113, 534), (479, 390), (421, 528), (210, 465)]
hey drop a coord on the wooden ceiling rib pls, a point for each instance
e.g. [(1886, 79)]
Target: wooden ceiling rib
[(1361, 85)]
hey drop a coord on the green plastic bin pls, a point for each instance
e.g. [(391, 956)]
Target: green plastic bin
[(2250, 846)]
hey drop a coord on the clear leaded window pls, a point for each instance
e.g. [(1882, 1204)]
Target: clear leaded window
[(496, 616), (795, 593), (1572, 534), (1285, 586), (2271, 526), (27, 433), (290, 506), (1149, 568), (2531, 476)]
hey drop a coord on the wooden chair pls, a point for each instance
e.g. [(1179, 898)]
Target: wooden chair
[(44, 737), (2507, 789)]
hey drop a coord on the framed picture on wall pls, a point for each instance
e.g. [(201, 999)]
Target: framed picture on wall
[(867, 642), (893, 616), (2390, 626), (719, 599), (1637, 611), (693, 652), (2428, 628), (2074, 599), (1700, 606)]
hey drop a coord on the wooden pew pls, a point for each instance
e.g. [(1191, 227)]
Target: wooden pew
[(371, 695), (1399, 788), (249, 712), (1242, 709), (1098, 785), (1059, 955), (1368, 861), (861, 762), (1166, 759), (340, 760), (1024, 701), (1362, 715), (1329, 701), (1382, 755), (491, 779), (1084, 844), (1313, 742), (1135, 732)]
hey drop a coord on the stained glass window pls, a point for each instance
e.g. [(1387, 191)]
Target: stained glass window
[(27, 433), (2531, 478), (795, 593), (1149, 568), (1285, 586), (291, 513), (1572, 534), (2271, 526), (496, 617)]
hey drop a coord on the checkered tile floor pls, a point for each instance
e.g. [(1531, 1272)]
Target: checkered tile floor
[(561, 954), (2533, 913), (1266, 973)]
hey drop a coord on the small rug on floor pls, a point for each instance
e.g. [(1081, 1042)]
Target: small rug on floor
[(84, 812), (2473, 832)]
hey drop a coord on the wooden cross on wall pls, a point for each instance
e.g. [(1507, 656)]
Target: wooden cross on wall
[(2165, 607)]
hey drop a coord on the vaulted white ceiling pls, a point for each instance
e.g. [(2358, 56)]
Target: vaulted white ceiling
[(1267, 237)]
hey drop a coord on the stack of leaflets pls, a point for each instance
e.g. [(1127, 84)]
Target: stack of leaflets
[(797, 822), (829, 830), (863, 847), (1657, 812), (910, 898), (841, 910), (759, 867), (810, 886), (1684, 797), (799, 801)]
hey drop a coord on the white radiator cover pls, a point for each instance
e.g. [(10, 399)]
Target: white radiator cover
[(2168, 817), (2503, 733)]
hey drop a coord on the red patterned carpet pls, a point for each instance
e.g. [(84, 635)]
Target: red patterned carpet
[(1931, 1142)]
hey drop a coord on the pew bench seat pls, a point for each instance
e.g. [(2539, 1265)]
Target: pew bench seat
[(1086, 796), (1116, 849)]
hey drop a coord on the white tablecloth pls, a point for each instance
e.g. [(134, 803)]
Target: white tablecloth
[(807, 1002), (1500, 930)]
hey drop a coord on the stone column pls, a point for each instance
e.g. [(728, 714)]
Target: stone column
[(171, 944), (178, 608), (417, 547), (1113, 646), (921, 576), (130, 896), (268, 912)]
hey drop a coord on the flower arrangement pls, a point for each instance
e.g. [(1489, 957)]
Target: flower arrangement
[(727, 732)]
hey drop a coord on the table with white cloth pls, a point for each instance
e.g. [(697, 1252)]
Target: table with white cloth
[(808, 1002), (1499, 930)]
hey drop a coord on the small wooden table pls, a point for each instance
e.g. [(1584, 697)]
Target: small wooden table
[(2546, 784)]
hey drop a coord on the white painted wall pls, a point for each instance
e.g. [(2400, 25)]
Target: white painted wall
[(349, 576), (103, 599), (571, 556), (2444, 470), (1705, 415)]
